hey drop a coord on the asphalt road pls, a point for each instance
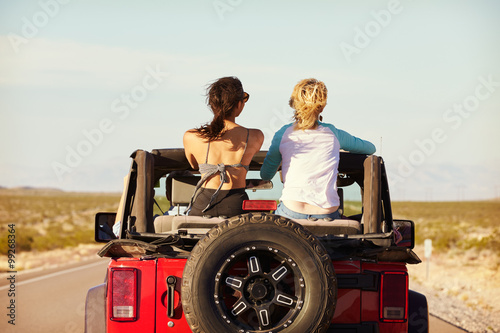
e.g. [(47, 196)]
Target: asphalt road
[(50, 300), (53, 301), (437, 325)]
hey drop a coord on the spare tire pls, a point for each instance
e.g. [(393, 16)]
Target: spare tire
[(259, 273)]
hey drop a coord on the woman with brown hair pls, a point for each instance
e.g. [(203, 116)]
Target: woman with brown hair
[(308, 151), (222, 150)]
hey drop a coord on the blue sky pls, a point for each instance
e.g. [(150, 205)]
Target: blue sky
[(85, 83)]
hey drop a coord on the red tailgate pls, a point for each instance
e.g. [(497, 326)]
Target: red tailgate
[(349, 300), (170, 319)]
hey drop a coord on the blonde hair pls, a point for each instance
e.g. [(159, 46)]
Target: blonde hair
[(308, 100)]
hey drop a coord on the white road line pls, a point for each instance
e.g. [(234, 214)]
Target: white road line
[(53, 274)]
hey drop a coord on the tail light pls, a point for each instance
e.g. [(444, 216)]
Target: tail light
[(123, 303), (394, 297), (259, 205)]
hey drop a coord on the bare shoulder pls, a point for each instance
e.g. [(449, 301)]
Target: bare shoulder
[(190, 132), (191, 135), (256, 134), (191, 144), (256, 138)]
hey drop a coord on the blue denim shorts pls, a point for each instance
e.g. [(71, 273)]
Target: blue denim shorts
[(284, 211)]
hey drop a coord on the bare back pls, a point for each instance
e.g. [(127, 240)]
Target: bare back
[(236, 147)]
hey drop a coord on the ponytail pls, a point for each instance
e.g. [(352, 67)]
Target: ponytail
[(222, 97), (308, 100), (213, 130)]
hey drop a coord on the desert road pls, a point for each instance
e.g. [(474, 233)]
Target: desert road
[(53, 301)]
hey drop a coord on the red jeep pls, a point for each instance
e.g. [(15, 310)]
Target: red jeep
[(256, 272)]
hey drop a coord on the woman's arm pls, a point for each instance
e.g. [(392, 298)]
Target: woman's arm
[(354, 144), (351, 143), (273, 157), (256, 140)]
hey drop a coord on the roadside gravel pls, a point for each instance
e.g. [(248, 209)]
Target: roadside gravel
[(462, 289), (458, 313)]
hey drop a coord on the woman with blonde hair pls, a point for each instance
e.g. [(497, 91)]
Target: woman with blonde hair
[(222, 150), (308, 151)]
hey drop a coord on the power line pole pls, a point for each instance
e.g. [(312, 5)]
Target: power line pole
[(428, 194), (460, 193)]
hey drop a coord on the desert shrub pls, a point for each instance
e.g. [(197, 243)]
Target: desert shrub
[(39, 217), (163, 203), (452, 225), (25, 238), (488, 242), (352, 207), (4, 246), (56, 238)]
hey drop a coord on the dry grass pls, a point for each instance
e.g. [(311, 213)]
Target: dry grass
[(454, 226), (50, 219)]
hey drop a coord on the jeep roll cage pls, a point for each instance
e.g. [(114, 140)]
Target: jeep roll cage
[(375, 223), (138, 210)]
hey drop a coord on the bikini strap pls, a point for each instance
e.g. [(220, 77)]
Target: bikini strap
[(246, 144), (208, 149)]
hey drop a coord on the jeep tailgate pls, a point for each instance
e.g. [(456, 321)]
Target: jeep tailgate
[(348, 306), (169, 314)]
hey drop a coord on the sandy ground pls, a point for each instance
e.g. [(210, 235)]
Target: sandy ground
[(461, 288)]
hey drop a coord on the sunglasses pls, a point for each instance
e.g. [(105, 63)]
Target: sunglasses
[(246, 96)]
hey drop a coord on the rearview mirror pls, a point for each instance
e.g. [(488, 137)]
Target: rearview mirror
[(404, 231), (103, 229)]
